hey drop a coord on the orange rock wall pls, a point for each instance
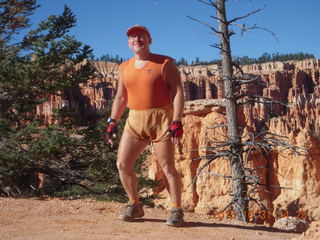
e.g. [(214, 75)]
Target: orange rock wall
[(90, 97), (294, 82), (297, 83)]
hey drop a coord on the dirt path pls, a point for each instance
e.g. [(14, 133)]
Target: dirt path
[(88, 219)]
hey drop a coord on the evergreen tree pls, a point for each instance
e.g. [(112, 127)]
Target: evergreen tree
[(182, 61), (46, 61), (109, 58), (73, 155)]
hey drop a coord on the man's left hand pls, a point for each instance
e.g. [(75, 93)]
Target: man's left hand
[(176, 131)]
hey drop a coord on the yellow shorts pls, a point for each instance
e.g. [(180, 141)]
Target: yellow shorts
[(150, 124)]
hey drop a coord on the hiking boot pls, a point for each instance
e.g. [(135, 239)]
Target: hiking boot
[(131, 212), (176, 217)]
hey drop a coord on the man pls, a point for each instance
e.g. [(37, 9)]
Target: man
[(150, 85)]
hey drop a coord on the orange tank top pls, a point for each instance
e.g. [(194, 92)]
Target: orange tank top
[(146, 87)]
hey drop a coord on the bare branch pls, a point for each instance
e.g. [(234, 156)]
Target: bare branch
[(255, 169), (205, 24), (270, 141), (247, 81), (202, 105), (259, 203), (228, 205), (244, 28), (217, 126), (267, 30), (217, 19), (275, 135), (238, 67), (213, 4), (249, 152), (245, 16), (210, 3), (273, 186), (285, 145), (214, 17), (214, 157), (216, 46), (254, 98), (262, 190)]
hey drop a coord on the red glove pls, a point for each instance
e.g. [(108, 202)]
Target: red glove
[(112, 129), (176, 129)]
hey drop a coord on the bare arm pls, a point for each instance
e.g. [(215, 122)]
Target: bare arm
[(178, 102), (120, 101), (176, 89)]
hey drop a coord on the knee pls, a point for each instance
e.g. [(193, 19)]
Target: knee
[(123, 166), (169, 171)]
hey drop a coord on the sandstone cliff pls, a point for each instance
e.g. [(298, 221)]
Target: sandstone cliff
[(297, 83), (89, 97), (294, 82)]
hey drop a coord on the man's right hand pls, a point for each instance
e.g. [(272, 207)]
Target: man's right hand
[(112, 130)]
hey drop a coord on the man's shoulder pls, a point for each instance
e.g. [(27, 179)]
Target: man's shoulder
[(161, 59)]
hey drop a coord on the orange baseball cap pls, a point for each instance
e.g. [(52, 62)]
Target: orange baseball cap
[(138, 27)]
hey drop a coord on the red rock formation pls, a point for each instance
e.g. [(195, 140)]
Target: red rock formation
[(297, 83), (294, 82), (91, 96)]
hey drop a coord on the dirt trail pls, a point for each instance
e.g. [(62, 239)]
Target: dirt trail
[(88, 219)]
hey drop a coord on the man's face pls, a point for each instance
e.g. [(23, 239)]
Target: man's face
[(138, 41)]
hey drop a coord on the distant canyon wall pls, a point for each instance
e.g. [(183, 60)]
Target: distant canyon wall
[(89, 97)]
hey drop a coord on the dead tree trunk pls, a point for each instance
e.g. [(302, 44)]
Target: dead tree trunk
[(244, 183), (239, 186)]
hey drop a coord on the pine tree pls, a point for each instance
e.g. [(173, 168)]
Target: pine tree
[(73, 156), (46, 61)]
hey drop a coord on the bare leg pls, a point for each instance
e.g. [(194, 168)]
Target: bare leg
[(165, 155), (128, 151)]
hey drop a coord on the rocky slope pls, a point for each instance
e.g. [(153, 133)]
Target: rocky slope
[(297, 83)]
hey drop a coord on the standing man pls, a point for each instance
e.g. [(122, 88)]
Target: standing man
[(150, 85)]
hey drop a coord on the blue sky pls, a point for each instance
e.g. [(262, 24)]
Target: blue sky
[(102, 25)]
